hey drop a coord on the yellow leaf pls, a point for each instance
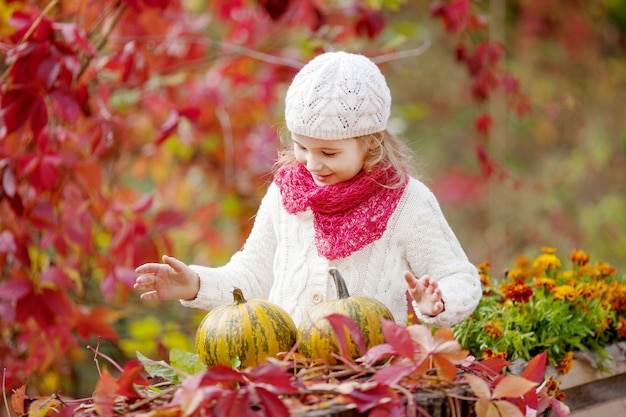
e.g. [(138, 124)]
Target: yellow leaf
[(512, 387), (478, 386), (497, 409), (504, 409)]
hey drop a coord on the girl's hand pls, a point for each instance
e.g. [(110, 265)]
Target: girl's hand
[(426, 293), (171, 280)]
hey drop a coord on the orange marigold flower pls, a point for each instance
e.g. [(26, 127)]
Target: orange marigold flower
[(604, 269), (579, 257), (490, 354), (548, 249), (570, 277), (566, 363), (547, 261), (616, 296), (563, 292), (552, 385), (484, 267), (545, 282), (585, 289), (516, 274), (485, 280), (621, 327), (493, 329), (522, 262), (517, 291)]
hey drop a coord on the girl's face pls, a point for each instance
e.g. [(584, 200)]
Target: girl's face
[(330, 161)]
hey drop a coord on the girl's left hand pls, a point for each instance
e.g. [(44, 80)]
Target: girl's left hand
[(426, 293)]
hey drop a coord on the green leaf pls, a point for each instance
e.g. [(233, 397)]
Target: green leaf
[(186, 361), (159, 369)]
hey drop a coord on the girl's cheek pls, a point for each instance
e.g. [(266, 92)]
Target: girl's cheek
[(300, 156)]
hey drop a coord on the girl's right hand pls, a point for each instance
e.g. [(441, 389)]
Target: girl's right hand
[(170, 280)]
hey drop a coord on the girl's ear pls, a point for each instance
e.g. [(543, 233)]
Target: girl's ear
[(376, 140)]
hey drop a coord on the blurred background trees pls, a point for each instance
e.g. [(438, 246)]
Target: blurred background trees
[(134, 128)]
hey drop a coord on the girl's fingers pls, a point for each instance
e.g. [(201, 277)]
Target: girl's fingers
[(150, 295), (410, 280), (177, 265), (149, 268)]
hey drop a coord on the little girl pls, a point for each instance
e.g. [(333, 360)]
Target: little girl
[(341, 197)]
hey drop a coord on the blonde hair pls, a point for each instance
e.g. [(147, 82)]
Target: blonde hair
[(384, 149)]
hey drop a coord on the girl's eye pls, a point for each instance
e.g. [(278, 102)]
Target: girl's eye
[(329, 154)]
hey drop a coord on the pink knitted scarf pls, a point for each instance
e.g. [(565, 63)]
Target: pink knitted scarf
[(348, 215)]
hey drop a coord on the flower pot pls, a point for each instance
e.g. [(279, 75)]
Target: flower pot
[(589, 391)]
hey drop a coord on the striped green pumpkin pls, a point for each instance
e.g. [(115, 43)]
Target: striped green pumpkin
[(250, 330), (316, 338)]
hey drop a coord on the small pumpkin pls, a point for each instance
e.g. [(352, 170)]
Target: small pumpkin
[(250, 330), (316, 338)]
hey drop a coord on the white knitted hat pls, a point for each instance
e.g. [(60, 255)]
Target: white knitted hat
[(338, 95)]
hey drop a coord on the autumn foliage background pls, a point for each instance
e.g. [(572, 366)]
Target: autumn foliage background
[(134, 128)]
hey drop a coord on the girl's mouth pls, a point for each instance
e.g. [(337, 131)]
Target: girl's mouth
[(320, 178)]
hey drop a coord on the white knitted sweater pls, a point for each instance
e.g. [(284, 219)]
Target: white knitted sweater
[(279, 262)]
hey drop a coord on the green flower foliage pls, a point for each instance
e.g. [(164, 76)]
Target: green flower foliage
[(541, 306)]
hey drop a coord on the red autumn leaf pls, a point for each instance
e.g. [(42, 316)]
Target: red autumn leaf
[(339, 323), (20, 107), (274, 8), (17, 400), (148, 4), (486, 163), (42, 215), (143, 204), (168, 127), (191, 113), (454, 15), (65, 105), (483, 124), (492, 366), (365, 396), (377, 353), (105, 394), (15, 289), (169, 218), (270, 402), (131, 377), (234, 403), (74, 36), (536, 368), (194, 392), (8, 181), (369, 23), (392, 374), (459, 186), (96, 322), (273, 377), (224, 375), (441, 349), (117, 275), (55, 275), (7, 242), (398, 337), (559, 408)]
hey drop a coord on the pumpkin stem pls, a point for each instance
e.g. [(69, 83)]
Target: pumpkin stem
[(340, 284), (238, 296)]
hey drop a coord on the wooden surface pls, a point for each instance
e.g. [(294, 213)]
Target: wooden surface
[(436, 404)]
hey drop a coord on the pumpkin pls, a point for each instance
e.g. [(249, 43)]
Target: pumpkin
[(250, 330), (316, 338)]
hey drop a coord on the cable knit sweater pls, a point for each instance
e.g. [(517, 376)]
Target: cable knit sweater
[(279, 262)]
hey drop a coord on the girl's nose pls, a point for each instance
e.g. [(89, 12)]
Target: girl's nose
[(313, 164)]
